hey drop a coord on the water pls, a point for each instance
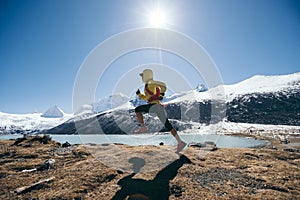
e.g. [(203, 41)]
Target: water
[(222, 141)]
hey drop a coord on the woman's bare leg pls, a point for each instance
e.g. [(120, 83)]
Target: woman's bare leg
[(140, 118), (174, 133), (180, 144)]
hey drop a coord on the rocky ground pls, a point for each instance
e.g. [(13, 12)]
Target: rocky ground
[(145, 172)]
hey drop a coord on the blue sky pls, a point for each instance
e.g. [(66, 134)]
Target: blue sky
[(43, 43)]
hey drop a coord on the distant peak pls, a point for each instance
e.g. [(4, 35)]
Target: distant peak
[(53, 112), (201, 88)]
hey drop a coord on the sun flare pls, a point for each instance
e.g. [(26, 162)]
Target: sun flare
[(157, 19)]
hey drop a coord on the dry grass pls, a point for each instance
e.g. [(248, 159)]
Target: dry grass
[(221, 174)]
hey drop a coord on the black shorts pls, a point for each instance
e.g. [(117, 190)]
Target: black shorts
[(157, 109)]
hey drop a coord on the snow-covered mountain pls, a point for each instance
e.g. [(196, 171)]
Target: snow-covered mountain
[(259, 100), (54, 116), (255, 85), (28, 123), (109, 102), (53, 112), (264, 84)]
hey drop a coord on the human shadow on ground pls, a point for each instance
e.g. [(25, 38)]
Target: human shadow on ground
[(156, 189)]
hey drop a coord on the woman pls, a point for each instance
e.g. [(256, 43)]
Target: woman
[(153, 95)]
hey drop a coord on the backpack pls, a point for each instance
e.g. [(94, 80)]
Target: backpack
[(159, 84)]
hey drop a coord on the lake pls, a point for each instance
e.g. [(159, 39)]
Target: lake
[(222, 141)]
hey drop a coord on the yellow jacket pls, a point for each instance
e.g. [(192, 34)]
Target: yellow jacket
[(151, 94)]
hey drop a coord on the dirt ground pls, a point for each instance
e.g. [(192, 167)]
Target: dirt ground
[(98, 172)]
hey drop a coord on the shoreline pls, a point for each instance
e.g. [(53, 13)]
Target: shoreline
[(221, 140)]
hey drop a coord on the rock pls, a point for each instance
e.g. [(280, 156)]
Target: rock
[(66, 144), (48, 164), (291, 150), (285, 141), (161, 143), (209, 143), (176, 190), (45, 139), (274, 148), (81, 152), (207, 146), (19, 140), (195, 144)]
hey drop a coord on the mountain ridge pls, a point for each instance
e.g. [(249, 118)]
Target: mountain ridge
[(259, 99), (270, 105)]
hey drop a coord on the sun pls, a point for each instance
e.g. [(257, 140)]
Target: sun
[(158, 19)]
